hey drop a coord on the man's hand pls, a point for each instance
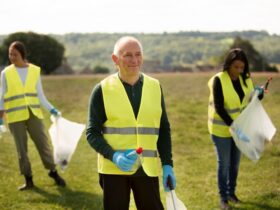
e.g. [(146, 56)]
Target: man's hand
[(124, 163), (55, 112), (168, 171), (131, 154)]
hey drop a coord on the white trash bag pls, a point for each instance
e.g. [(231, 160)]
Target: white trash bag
[(251, 128), (172, 201), (64, 136), (3, 129)]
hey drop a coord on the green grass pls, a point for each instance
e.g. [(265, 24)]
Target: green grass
[(186, 97)]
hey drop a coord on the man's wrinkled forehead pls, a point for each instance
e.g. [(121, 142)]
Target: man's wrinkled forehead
[(129, 46)]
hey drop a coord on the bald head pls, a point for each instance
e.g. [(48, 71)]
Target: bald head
[(123, 41)]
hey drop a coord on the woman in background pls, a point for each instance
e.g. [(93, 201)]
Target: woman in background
[(229, 91), (21, 99)]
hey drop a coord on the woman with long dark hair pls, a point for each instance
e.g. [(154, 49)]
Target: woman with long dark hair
[(229, 93)]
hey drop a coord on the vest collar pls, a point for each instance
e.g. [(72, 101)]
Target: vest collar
[(139, 81)]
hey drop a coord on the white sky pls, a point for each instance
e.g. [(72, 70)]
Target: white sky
[(148, 16)]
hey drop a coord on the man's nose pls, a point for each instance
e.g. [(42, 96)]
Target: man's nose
[(134, 58)]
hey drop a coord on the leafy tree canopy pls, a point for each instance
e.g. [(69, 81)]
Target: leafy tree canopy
[(182, 49), (42, 50), (100, 70), (168, 49), (256, 61)]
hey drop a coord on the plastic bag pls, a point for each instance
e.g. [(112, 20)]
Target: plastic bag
[(64, 136), (251, 128), (3, 129), (173, 202)]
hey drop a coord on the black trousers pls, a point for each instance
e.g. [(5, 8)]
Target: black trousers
[(116, 192)]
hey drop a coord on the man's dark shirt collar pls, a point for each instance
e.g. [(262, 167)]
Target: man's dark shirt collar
[(139, 81)]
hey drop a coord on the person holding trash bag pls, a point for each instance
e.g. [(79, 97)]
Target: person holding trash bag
[(229, 93), (21, 99), (127, 111)]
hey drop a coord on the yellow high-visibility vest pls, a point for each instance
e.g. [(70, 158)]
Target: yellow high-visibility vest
[(122, 131), (18, 97), (232, 104)]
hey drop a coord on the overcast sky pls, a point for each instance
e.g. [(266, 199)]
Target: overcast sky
[(148, 16)]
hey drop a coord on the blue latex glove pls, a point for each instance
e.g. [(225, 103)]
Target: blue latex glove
[(260, 90), (55, 112), (242, 136), (131, 154), (168, 171), (122, 162)]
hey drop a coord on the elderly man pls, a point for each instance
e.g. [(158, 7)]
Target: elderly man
[(127, 111)]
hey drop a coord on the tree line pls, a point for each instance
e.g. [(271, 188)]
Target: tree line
[(167, 51)]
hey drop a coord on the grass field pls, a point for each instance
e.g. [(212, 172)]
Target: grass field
[(186, 97)]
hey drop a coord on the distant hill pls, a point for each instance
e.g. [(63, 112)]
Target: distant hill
[(168, 50)]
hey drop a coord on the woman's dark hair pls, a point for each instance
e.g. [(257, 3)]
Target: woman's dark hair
[(237, 54), (19, 46)]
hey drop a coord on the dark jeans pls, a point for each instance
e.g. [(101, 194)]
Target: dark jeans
[(116, 192), (228, 158)]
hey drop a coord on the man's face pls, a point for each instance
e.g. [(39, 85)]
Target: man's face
[(130, 58)]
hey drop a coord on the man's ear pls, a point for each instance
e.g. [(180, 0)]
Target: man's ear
[(115, 59)]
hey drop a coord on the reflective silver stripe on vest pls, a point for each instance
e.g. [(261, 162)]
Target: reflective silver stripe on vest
[(148, 131), (20, 96), (131, 130), (149, 153), (218, 122), (230, 111), (22, 107), (124, 131), (146, 153)]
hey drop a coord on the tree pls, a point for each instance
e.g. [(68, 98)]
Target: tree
[(100, 70), (256, 61), (42, 50)]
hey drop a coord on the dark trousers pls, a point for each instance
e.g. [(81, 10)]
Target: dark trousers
[(116, 192), (228, 158), (35, 127)]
